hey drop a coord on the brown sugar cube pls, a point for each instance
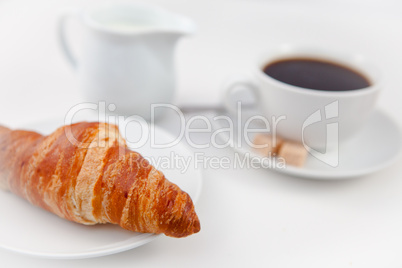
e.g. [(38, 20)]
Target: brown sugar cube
[(266, 145), (294, 154)]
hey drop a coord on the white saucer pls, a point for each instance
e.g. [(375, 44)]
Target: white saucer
[(33, 231), (375, 147)]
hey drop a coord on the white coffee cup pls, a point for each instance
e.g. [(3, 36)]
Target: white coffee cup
[(318, 119), (127, 55)]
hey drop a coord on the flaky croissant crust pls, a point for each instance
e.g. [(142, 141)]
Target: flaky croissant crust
[(85, 173)]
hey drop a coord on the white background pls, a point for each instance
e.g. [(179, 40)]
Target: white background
[(249, 217)]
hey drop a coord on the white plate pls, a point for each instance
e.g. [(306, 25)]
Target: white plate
[(30, 230), (375, 147)]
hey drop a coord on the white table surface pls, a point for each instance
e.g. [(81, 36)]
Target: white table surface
[(249, 217)]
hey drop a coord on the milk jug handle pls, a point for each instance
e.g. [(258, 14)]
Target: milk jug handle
[(62, 36)]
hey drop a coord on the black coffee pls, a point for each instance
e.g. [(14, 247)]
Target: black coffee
[(316, 74)]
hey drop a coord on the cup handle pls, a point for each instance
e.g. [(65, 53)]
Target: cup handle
[(239, 84), (62, 26)]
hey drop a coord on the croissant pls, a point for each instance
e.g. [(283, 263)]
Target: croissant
[(85, 173)]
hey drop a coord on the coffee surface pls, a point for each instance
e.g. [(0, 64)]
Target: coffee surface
[(316, 74)]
